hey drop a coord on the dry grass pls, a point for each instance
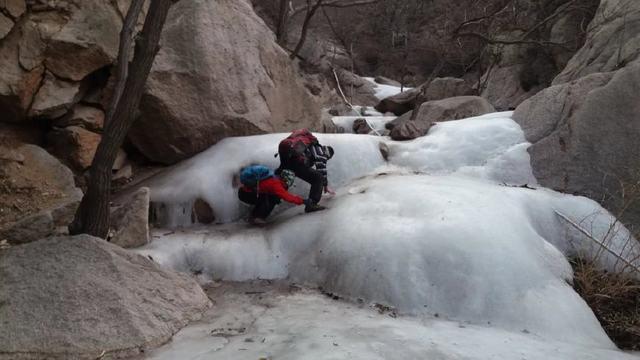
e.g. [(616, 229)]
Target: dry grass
[(615, 300)]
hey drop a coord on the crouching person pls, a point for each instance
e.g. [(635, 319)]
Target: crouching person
[(263, 189), (300, 152)]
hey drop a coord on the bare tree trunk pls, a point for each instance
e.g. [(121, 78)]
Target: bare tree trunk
[(283, 14), (122, 65), (92, 216), (305, 28)]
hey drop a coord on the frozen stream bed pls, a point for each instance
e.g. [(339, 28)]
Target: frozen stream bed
[(448, 229), (265, 320)]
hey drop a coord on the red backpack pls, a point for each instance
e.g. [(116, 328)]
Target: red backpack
[(294, 147)]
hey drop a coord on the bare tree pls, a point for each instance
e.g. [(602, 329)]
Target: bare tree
[(92, 216), (310, 10)]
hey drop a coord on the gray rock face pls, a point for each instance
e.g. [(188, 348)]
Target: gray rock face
[(5, 26), (85, 43), (219, 73), (613, 41), (14, 7), (87, 117), (442, 88), (504, 90), (71, 39), (75, 297), (130, 222), (399, 104), (437, 89), (41, 188), (430, 112), (584, 136), (55, 97), (357, 89)]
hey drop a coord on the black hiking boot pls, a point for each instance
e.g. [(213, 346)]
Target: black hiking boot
[(313, 207)]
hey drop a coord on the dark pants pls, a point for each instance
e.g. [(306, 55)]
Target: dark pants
[(264, 203), (308, 174)]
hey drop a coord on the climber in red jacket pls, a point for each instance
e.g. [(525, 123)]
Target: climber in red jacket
[(267, 194)]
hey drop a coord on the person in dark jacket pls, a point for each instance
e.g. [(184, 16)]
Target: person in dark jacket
[(268, 193), (300, 152)]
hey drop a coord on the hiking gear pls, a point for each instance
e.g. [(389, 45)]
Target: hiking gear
[(293, 149), (252, 175), (313, 207), (288, 177)]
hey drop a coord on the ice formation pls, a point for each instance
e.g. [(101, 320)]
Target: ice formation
[(384, 91), (307, 326), (442, 226)]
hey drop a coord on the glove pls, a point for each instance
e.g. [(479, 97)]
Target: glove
[(329, 191)]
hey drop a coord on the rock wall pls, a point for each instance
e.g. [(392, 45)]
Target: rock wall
[(613, 41), (219, 73), (584, 129)]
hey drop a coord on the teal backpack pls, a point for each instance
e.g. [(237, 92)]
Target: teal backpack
[(251, 175)]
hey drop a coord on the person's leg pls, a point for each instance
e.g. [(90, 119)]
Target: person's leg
[(314, 178), (247, 197), (264, 206)]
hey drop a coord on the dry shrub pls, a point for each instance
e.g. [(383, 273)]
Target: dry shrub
[(615, 300)]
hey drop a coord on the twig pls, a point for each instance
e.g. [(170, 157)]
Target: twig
[(350, 105), (603, 246)]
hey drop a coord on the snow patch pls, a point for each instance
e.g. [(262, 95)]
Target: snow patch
[(385, 91)]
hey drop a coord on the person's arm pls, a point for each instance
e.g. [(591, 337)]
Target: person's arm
[(274, 186), (320, 157)]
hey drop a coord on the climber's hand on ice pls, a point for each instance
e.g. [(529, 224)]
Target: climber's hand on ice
[(327, 190)]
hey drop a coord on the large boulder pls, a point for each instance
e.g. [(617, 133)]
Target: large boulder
[(83, 298), (75, 145), (17, 85), (437, 89), (86, 42), (70, 39), (503, 87), (15, 8), (399, 104), (219, 73), (442, 88), (357, 89), (38, 194), (55, 97), (87, 117), (454, 108), (585, 137), (130, 221), (613, 41)]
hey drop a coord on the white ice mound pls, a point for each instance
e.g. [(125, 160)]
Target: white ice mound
[(431, 230), (464, 249), (385, 91), (490, 147)]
